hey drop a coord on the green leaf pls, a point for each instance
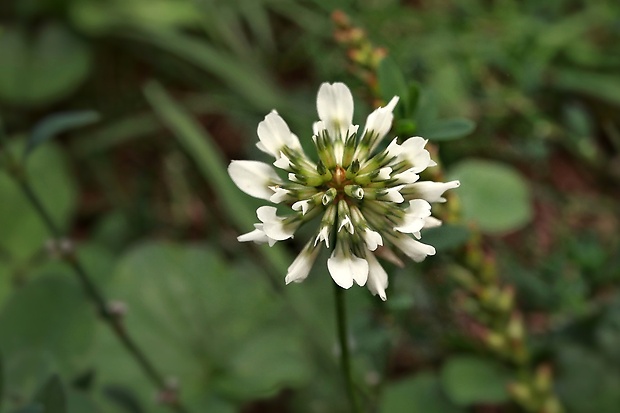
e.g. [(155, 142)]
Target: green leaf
[(447, 130), (471, 380), (602, 86), (392, 82), (47, 318), (446, 237), (52, 396), (56, 124), (1, 381), (43, 67), (31, 408), (211, 324), (419, 394), (493, 195), (23, 232)]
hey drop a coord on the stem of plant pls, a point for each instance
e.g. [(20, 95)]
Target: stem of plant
[(90, 288), (345, 357)]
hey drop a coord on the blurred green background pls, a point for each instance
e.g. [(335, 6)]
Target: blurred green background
[(126, 113)]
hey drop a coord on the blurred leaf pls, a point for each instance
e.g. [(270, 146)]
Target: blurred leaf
[(49, 317), (52, 396), (41, 68), (493, 195), (123, 398), (446, 237), (199, 145), (246, 79), (1, 381), (31, 408), (473, 380), (602, 86), (211, 324), (23, 232), (419, 394), (448, 129), (392, 83), (585, 380), (56, 124)]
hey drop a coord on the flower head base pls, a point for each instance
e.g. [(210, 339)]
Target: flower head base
[(369, 201)]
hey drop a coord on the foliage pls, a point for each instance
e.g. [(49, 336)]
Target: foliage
[(123, 115)]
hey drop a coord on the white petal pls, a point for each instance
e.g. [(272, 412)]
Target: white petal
[(273, 225), (301, 205), (384, 173), (253, 178), (372, 239), (334, 104), (431, 222), (344, 269), (377, 277), (347, 224), (407, 177), (415, 215), (258, 236), (413, 151), (393, 194), (379, 122), (283, 162), (300, 267), (323, 236), (433, 191), (279, 194), (274, 134), (414, 249)]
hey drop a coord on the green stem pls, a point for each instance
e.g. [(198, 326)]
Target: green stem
[(345, 360), (113, 320)]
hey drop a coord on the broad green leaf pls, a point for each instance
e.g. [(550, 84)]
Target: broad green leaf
[(392, 82), (41, 67), (211, 325), (493, 195), (52, 396), (446, 237), (56, 124), (49, 318), (448, 129), (23, 232), (474, 380), (419, 394)]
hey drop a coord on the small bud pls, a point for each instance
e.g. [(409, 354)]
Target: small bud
[(117, 308), (320, 168), (354, 191), (329, 196)]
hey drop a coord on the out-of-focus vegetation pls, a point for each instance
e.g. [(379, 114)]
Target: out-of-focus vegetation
[(125, 113)]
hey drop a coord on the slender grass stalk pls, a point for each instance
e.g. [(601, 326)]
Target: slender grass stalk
[(345, 356), (94, 294)]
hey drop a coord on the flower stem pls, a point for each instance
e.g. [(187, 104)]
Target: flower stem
[(345, 357)]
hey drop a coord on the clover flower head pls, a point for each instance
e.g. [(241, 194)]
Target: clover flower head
[(369, 201)]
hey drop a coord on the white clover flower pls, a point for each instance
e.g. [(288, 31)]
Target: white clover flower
[(369, 201)]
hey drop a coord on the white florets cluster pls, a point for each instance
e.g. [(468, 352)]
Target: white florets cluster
[(369, 201)]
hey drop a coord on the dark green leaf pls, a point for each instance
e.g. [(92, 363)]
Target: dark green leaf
[(493, 195), (41, 68), (392, 82), (472, 380), (56, 124), (419, 394), (1, 381), (448, 129), (31, 408), (447, 236), (602, 86), (52, 396)]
